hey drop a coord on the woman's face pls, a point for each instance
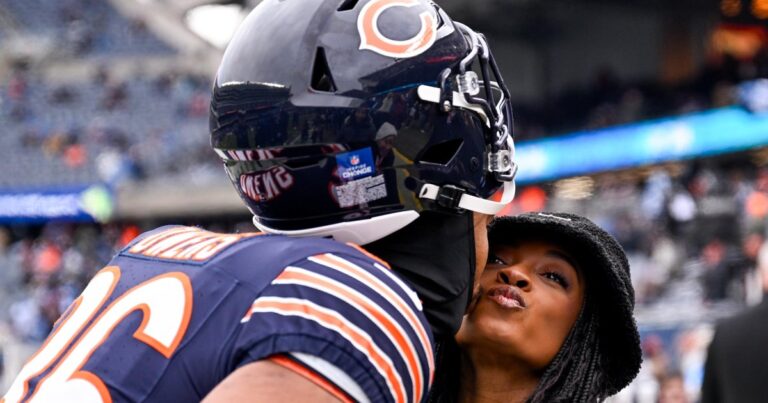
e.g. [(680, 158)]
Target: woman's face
[(529, 298)]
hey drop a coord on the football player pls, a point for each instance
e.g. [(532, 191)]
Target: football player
[(300, 311)]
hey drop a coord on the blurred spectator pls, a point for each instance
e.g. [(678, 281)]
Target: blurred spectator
[(747, 267), (655, 356), (715, 270), (672, 389), (62, 95), (75, 155), (692, 351), (199, 105), (756, 201), (115, 96), (681, 208), (658, 188), (17, 87), (737, 363)]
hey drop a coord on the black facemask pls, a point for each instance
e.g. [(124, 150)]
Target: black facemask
[(436, 255)]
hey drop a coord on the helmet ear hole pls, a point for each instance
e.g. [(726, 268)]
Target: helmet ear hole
[(347, 5), (322, 79), (441, 153)]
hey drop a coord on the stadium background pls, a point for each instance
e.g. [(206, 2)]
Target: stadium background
[(645, 115)]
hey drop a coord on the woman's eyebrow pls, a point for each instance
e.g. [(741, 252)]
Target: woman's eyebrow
[(567, 258)]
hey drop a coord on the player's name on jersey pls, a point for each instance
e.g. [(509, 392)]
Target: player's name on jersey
[(186, 243)]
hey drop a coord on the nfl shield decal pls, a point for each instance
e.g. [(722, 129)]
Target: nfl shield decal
[(355, 164)]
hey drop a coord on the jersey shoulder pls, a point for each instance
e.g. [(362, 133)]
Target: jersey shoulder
[(177, 243), (340, 310), (240, 254)]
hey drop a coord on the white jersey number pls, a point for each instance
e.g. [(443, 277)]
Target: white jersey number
[(166, 304)]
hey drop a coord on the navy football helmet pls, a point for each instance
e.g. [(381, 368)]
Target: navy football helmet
[(348, 118)]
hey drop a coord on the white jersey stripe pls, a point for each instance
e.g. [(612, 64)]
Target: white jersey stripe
[(334, 374)]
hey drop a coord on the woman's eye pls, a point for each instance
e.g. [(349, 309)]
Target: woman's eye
[(493, 259), (556, 277)]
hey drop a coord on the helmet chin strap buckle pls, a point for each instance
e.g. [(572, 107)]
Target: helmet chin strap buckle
[(500, 163), (449, 197), (458, 200), (468, 83), (446, 196)]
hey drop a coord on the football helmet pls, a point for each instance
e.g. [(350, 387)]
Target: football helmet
[(348, 118)]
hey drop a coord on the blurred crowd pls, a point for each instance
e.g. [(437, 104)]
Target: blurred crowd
[(42, 270), (607, 100), (104, 129), (107, 130), (692, 232), (77, 28)]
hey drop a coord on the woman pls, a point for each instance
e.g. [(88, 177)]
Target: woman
[(551, 320)]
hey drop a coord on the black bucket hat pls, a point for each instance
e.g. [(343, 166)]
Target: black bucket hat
[(605, 266)]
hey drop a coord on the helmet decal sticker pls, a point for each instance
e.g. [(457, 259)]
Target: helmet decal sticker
[(355, 164), (360, 191), (372, 39)]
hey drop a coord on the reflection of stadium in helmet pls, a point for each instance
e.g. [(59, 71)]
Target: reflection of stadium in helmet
[(298, 97)]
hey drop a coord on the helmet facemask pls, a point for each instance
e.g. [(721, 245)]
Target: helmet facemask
[(487, 95)]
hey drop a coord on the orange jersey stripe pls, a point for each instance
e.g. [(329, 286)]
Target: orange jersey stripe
[(381, 288), (376, 314), (312, 376), (332, 320)]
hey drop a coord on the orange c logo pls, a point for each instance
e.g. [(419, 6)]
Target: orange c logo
[(372, 39)]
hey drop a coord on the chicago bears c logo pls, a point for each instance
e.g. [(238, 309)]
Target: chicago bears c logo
[(372, 39)]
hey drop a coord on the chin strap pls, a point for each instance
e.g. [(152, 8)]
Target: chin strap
[(455, 198)]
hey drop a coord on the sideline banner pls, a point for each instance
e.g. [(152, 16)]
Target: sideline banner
[(714, 132), (84, 204)]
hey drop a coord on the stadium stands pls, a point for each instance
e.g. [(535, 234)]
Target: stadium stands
[(89, 28), (62, 131)]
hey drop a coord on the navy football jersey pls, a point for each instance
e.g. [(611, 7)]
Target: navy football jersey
[(180, 308)]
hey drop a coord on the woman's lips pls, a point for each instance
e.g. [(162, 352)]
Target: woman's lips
[(506, 296)]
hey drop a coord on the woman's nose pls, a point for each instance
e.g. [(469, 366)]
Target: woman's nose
[(513, 276)]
